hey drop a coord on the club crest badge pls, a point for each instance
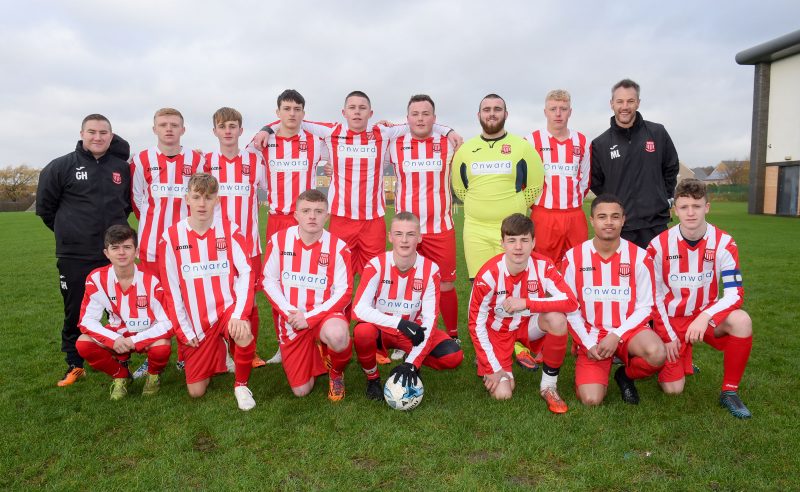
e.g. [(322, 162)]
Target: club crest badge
[(624, 269), (141, 302), (417, 285), (533, 286), (650, 146), (709, 255), (116, 178), (437, 147), (324, 258), (187, 170), (505, 149), (303, 146), (222, 244), (246, 169)]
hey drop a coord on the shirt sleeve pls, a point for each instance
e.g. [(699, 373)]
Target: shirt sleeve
[(670, 166), (733, 290), (661, 323), (430, 303), (319, 129), (560, 298), (585, 170), (364, 307), (597, 176), (459, 178), (271, 282), (534, 174), (643, 306), (138, 186), (575, 321), (242, 283), (341, 291), (48, 194), (94, 304), (480, 297), (168, 268)]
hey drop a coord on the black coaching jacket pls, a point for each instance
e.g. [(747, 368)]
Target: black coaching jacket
[(640, 166), (79, 197)]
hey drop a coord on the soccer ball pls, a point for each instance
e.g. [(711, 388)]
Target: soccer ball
[(402, 397)]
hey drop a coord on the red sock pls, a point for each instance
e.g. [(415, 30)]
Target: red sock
[(448, 306), (339, 360), (365, 339), (734, 361), (157, 358), (639, 368), (243, 363), (554, 349), (101, 359)]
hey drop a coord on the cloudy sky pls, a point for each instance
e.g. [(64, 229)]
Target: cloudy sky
[(63, 60)]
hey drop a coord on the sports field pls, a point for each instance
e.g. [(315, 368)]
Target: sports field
[(75, 438)]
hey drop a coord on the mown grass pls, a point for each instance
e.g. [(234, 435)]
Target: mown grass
[(75, 438)]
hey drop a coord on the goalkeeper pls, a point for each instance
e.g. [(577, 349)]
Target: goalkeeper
[(495, 174)]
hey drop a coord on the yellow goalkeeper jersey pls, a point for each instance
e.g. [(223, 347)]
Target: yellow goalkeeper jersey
[(497, 177)]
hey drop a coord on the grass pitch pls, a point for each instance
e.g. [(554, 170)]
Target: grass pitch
[(75, 438)]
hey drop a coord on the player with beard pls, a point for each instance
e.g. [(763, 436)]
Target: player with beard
[(495, 174)]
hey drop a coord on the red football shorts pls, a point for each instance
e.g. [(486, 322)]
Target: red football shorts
[(503, 348), (441, 249), (675, 371), (279, 222), (588, 371), (557, 231), (365, 238), (208, 358), (301, 355)]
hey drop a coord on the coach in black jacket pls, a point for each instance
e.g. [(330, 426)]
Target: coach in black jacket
[(636, 161), (80, 195)]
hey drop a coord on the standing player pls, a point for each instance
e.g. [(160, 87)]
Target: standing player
[(239, 174), (635, 160), (517, 290), (396, 305), (204, 261), (613, 281), (357, 151), (79, 196), (495, 174), (307, 278), (422, 161), (159, 178), (557, 212), (690, 261), (291, 155), (137, 322)]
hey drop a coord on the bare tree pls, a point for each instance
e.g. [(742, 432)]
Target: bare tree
[(18, 182), (737, 171)]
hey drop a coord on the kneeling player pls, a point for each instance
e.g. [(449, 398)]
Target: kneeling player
[(613, 281), (519, 290), (137, 322), (307, 279), (204, 260), (396, 305), (689, 261)]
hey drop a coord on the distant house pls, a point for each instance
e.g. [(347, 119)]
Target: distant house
[(699, 173), (775, 140), (685, 173)]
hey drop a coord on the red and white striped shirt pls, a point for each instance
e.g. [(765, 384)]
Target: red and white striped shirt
[(239, 179), (566, 169), (137, 312), (158, 194), (291, 164), (540, 284), (423, 170), (356, 189), (615, 294), (205, 275), (688, 277), (312, 278), (386, 295)]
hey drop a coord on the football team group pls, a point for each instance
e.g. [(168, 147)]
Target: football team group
[(638, 295)]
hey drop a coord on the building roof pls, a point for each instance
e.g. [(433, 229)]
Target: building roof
[(776, 49), (699, 173)]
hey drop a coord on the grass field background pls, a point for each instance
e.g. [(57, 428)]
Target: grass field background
[(75, 438)]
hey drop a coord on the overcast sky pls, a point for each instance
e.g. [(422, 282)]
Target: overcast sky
[(64, 60)]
